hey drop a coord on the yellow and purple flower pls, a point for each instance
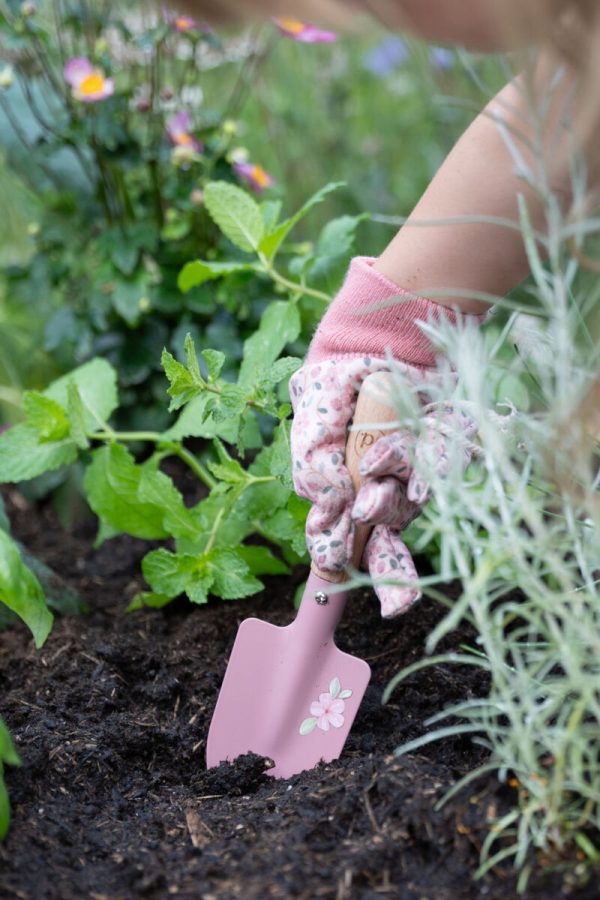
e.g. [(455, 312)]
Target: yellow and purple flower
[(178, 127), (254, 176), (88, 83), (303, 32)]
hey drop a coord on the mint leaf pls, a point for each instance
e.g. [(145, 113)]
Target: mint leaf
[(183, 387), (281, 370), (96, 382), (195, 421), (23, 455), (281, 454), (273, 240), (279, 326), (76, 412), (157, 489), (171, 574), (112, 482), (232, 578), (271, 210), (168, 573), (46, 416), (215, 361), (21, 592), (200, 271), (261, 561), (236, 214)]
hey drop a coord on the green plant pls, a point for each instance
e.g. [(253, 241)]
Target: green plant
[(22, 595), (103, 123), (521, 533), (71, 420), (9, 757)]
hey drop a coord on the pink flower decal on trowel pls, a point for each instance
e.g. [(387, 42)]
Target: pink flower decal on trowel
[(327, 711)]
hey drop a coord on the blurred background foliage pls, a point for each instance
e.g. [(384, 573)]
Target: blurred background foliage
[(100, 213)]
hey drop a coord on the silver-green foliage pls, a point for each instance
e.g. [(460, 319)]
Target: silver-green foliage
[(522, 534)]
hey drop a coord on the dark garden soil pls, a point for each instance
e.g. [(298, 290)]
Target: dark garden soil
[(113, 799)]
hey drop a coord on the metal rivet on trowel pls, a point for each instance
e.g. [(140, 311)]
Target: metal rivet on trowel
[(321, 598)]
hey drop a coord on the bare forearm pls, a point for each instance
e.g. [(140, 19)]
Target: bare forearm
[(479, 179)]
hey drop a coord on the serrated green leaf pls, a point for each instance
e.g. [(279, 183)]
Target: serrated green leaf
[(191, 360), (158, 490), (194, 421), (231, 402), (96, 382), (230, 472), (112, 482), (279, 326), (236, 214), (273, 241), (182, 385), (271, 211), (46, 416), (281, 455), (215, 361), (288, 525), (76, 412), (200, 271), (21, 592), (261, 561), (24, 456), (232, 578), (168, 573), (281, 370)]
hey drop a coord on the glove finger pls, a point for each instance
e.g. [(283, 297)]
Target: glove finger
[(387, 559), (389, 455), (330, 537), (445, 442), (383, 501)]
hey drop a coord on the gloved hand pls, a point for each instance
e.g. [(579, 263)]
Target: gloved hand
[(346, 348)]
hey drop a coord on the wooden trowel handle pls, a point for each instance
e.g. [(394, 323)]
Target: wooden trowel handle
[(373, 411)]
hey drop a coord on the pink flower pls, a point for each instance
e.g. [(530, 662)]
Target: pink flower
[(303, 32), (254, 176), (328, 711), (178, 131), (88, 83), (184, 24)]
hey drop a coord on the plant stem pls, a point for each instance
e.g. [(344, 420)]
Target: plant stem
[(293, 286), (154, 437), (213, 532)]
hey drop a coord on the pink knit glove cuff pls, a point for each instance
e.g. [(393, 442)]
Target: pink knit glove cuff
[(347, 330)]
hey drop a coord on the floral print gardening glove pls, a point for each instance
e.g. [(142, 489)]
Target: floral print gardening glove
[(349, 345)]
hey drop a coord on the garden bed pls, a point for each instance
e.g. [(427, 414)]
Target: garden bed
[(113, 799)]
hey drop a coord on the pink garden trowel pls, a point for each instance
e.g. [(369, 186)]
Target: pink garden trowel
[(289, 694)]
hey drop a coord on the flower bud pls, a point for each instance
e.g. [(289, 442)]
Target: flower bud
[(6, 77), (229, 127)]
